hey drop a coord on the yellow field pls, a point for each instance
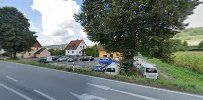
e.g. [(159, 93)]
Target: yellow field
[(190, 59)]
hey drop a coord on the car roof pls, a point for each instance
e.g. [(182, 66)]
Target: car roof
[(148, 65)]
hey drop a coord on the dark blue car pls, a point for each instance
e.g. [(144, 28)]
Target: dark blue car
[(105, 60)]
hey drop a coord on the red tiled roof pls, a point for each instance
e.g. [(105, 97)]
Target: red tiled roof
[(73, 45), (37, 44)]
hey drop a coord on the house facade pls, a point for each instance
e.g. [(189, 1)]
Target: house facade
[(104, 53), (75, 48), (36, 49)]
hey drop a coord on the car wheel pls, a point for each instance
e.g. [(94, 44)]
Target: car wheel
[(157, 78)]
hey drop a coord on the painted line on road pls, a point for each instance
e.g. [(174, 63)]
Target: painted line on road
[(11, 78), (16, 92), (128, 93), (45, 95), (133, 84)]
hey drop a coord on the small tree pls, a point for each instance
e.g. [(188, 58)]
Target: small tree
[(56, 51), (92, 51), (185, 45), (15, 35), (201, 45)]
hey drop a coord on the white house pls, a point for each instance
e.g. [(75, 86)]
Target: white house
[(75, 47)]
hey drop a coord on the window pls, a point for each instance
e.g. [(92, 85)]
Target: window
[(83, 47), (29, 54), (72, 51), (68, 52), (110, 70), (80, 46), (151, 70), (79, 51)]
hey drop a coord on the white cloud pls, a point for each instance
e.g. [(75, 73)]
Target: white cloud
[(196, 19), (58, 22)]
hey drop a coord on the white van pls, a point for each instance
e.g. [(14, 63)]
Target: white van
[(149, 71), (112, 69)]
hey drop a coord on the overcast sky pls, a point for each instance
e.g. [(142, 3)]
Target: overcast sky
[(54, 22)]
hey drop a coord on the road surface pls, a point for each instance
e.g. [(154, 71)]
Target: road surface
[(26, 82)]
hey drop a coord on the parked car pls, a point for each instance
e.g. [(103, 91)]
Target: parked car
[(98, 67), (71, 59), (149, 71), (87, 58), (105, 60), (112, 69), (62, 58), (45, 60), (137, 63), (54, 58)]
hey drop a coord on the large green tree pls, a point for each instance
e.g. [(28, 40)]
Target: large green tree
[(131, 26), (15, 35)]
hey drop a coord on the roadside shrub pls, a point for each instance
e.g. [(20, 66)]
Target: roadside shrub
[(127, 68), (201, 45)]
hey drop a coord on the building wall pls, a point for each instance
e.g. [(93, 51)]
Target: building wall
[(114, 55), (78, 51), (44, 53), (102, 53), (28, 54)]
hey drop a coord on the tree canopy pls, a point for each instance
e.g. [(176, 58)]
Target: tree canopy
[(15, 35), (131, 26), (92, 51)]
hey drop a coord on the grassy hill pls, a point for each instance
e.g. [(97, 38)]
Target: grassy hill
[(192, 35)]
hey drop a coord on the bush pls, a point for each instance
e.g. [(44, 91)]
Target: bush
[(201, 45), (127, 68)]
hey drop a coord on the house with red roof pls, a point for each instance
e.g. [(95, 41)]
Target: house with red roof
[(75, 48), (36, 52)]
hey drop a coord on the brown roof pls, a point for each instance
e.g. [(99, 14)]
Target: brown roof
[(37, 44), (40, 50), (73, 45)]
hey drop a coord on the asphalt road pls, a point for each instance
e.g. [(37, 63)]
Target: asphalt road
[(26, 82)]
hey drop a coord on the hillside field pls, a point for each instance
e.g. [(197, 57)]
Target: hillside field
[(192, 35)]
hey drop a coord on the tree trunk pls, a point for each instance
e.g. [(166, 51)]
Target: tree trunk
[(134, 43), (14, 55)]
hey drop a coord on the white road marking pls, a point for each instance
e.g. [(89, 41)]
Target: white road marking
[(16, 92), (133, 84), (11, 78), (128, 93), (87, 97), (45, 95)]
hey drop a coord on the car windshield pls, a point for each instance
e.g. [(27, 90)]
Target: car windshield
[(110, 70), (151, 70)]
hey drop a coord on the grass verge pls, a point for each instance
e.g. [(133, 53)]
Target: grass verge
[(181, 79)]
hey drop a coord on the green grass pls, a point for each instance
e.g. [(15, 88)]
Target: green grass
[(190, 59), (178, 78)]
